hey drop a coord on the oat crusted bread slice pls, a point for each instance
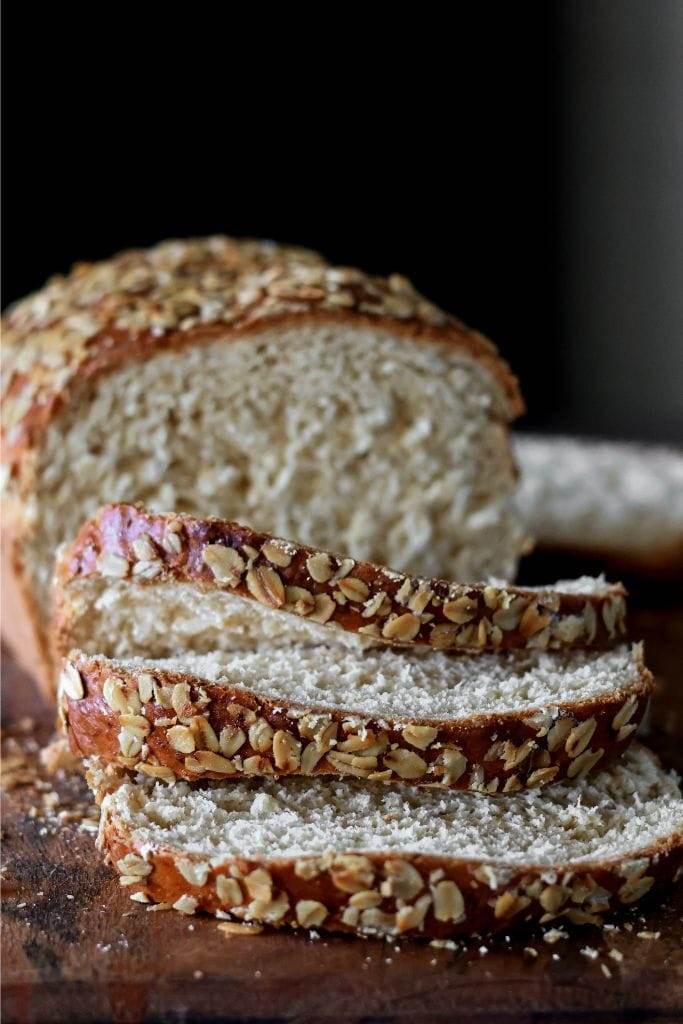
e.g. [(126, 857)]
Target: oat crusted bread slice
[(139, 583), (254, 381), (352, 856), (619, 502), (493, 723)]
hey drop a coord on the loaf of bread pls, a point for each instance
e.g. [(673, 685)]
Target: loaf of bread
[(347, 855), (221, 682), (619, 503), (493, 723), (154, 585), (255, 382)]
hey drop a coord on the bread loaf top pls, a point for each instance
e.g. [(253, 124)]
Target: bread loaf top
[(183, 292)]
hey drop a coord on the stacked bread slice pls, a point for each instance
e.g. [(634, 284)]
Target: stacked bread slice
[(252, 654), (301, 759), (491, 723), (358, 857)]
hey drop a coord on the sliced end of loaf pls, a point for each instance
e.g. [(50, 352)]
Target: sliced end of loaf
[(256, 382), (298, 450)]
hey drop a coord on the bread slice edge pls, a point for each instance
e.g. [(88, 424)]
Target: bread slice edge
[(381, 893), (173, 725), (128, 543)]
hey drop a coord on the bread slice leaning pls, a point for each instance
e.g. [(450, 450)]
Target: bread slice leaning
[(494, 723), (255, 382), (617, 502), (138, 582), (356, 857)]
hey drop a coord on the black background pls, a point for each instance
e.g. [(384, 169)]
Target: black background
[(431, 148)]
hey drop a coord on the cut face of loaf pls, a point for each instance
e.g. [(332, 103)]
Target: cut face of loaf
[(490, 723), (256, 382), (350, 856), (622, 503), (139, 583)]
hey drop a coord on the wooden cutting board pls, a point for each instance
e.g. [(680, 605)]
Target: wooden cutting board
[(75, 948)]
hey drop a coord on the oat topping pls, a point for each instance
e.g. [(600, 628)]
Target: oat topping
[(239, 928), (70, 681)]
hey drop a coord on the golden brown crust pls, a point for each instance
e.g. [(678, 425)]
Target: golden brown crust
[(172, 725), (357, 596), (419, 896)]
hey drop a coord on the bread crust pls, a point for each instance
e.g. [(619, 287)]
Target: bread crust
[(402, 895), (360, 597), (130, 718), (78, 328)]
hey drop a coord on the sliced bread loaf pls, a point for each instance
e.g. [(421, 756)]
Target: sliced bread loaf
[(380, 860), (255, 382), (139, 583), (621, 503), (490, 723)]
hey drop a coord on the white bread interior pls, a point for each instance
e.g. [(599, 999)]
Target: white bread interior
[(423, 684), (161, 619), (340, 435), (627, 808)]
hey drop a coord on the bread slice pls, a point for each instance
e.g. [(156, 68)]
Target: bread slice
[(140, 583), (255, 382), (351, 856), (490, 723), (617, 502)]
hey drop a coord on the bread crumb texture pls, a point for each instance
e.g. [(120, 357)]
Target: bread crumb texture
[(421, 684)]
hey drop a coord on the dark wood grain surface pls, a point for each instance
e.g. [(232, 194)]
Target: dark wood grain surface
[(75, 948)]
